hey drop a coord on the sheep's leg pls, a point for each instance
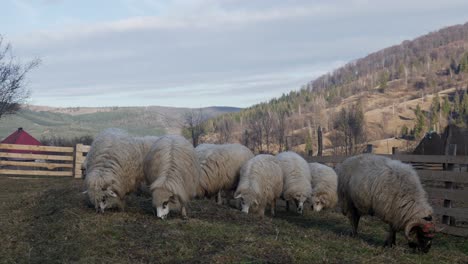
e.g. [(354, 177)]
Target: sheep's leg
[(391, 238), (287, 206), (273, 207), (220, 199), (183, 212), (354, 218)]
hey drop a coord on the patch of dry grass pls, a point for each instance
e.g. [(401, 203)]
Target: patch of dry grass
[(47, 221)]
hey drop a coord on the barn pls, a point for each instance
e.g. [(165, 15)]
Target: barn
[(21, 137)]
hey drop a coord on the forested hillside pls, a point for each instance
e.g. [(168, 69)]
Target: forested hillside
[(385, 94)]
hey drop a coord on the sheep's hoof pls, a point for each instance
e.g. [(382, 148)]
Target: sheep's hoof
[(389, 244)]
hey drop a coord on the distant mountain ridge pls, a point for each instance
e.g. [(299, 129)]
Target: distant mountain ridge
[(45, 121)]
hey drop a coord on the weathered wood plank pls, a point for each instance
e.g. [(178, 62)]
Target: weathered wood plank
[(36, 172), (455, 212), (82, 148), (37, 148), (443, 176), (454, 195), (35, 156), (50, 166), (453, 230)]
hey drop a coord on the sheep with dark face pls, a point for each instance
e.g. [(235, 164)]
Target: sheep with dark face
[(296, 178), (389, 189), (324, 183), (114, 168), (260, 184), (220, 167), (172, 172)]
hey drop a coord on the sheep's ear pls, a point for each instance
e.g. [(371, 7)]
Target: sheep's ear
[(238, 196), (111, 193), (172, 199)]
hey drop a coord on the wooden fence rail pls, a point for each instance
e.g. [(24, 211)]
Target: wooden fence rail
[(447, 189), (42, 160)]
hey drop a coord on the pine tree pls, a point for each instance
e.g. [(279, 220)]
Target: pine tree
[(308, 145), (446, 107), (420, 123), (435, 110)]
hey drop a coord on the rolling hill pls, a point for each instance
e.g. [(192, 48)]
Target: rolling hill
[(43, 121)]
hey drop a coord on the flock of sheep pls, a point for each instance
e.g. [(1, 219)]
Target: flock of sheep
[(175, 172)]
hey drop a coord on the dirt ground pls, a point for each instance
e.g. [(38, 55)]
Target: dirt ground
[(44, 220)]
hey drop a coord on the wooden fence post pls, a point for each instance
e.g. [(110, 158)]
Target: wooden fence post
[(449, 220), (320, 141), (78, 161)]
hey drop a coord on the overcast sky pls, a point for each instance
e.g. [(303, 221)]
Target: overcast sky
[(198, 53)]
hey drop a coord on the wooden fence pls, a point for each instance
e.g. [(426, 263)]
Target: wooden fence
[(447, 189), (42, 160)]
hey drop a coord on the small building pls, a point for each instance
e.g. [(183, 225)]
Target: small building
[(21, 137)]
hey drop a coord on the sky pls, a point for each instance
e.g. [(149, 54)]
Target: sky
[(197, 53)]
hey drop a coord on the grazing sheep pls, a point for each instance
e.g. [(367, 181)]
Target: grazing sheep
[(296, 177), (260, 183), (324, 186), (389, 189), (113, 168), (172, 172), (220, 167)]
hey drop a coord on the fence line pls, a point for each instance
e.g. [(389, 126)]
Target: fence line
[(449, 196), (42, 160)]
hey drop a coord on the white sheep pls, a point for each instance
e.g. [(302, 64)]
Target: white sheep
[(172, 172), (296, 177), (260, 184), (220, 167), (324, 183), (389, 189), (113, 168)]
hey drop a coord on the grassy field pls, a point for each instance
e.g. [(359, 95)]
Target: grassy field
[(47, 221)]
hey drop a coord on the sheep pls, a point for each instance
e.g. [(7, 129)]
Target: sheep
[(172, 171), (324, 183), (220, 167), (391, 190), (296, 177), (260, 184), (113, 168)]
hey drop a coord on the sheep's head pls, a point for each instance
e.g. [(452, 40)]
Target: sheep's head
[(102, 193), (161, 200), (103, 198), (318, 202), (420, 234), (300, 199), (248, 202)]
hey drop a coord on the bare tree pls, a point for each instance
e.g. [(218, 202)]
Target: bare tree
[(224, 128), (193, 125), (281, 128), (267, 123), (255, 134), (12, 79)]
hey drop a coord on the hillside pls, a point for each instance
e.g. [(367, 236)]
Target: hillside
[(367, 100), (43, 122)]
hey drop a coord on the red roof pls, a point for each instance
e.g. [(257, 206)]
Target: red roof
[(21, 137)]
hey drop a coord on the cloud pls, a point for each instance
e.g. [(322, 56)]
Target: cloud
[(207, 52)]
